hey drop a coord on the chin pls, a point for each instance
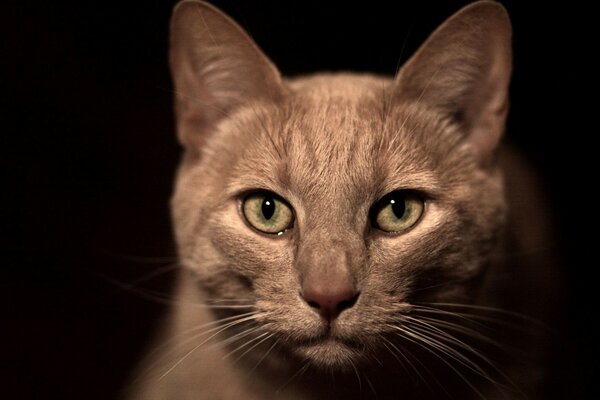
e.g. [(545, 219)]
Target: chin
[(330, 354)]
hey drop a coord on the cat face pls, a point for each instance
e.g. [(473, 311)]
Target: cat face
[(333, 204)]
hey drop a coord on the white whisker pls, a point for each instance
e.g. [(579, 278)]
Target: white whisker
[(514, 314), (401, 353), (177, 342), (235, 338), (437, 335), (265, 355), (468, 332), (435, 330), (433, 340), (370, 385), (209, 324), (264, 339), (424, 344), (357, 374), (218, 329), (441, 335), (477, 319), (292, 378)]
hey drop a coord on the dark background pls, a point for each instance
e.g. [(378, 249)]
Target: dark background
[(88, 154)]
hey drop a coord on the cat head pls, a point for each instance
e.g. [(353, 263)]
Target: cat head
[(336, 203)]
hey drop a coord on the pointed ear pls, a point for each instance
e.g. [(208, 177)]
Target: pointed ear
[(463, 70), (216, 67)]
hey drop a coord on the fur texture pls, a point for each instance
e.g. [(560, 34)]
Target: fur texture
[(428, 318)]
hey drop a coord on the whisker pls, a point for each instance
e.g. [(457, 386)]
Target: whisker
[(449, 351), (467, 317), (403, 48), (417, 339), (237, 300), (176, 341), (235, 338), (434, 329), (159, 297), (268, 336), (219, 330), (238, 335), (370, 385), (265, 355), (501, 311), (441, 335), (171, 300), (428, 370), (130, 287), (357, 374), (298, 373), (468, 332), (146, 260), (476, 319), (401, 353), (156, 272), (202, 326), (437, 285)]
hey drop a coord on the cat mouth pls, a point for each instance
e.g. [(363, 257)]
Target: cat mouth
[(329, 351)]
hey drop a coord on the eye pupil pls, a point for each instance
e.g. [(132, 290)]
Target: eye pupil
[(268, 207), (398, 207)]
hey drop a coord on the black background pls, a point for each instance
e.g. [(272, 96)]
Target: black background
[(88, 154)]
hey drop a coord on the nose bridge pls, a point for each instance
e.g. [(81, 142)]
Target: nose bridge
[(324, 255), (327, 257), (331, 252), (331, 242)]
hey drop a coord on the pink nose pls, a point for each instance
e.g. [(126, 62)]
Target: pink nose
[(330, 302)]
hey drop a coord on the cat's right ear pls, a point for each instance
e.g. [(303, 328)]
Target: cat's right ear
[(216, 67)]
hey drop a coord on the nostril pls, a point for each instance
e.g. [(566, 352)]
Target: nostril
[(313, 304), (344, 304)]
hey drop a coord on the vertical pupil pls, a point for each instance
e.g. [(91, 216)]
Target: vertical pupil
[(398, 207), (268, 207)]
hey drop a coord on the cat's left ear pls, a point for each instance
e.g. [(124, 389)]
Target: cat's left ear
[(216, 68), (463, 70)]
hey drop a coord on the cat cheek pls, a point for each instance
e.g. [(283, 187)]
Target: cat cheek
[(245, 250)]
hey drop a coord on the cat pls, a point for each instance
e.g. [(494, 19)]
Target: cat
[(351, 236)]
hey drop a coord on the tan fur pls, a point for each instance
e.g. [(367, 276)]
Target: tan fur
[(332, 145)]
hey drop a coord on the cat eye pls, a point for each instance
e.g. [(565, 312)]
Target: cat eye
[(397, 211), (267, 212)]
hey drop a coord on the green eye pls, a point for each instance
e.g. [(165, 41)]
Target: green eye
[(397, 211), (268, 213)]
